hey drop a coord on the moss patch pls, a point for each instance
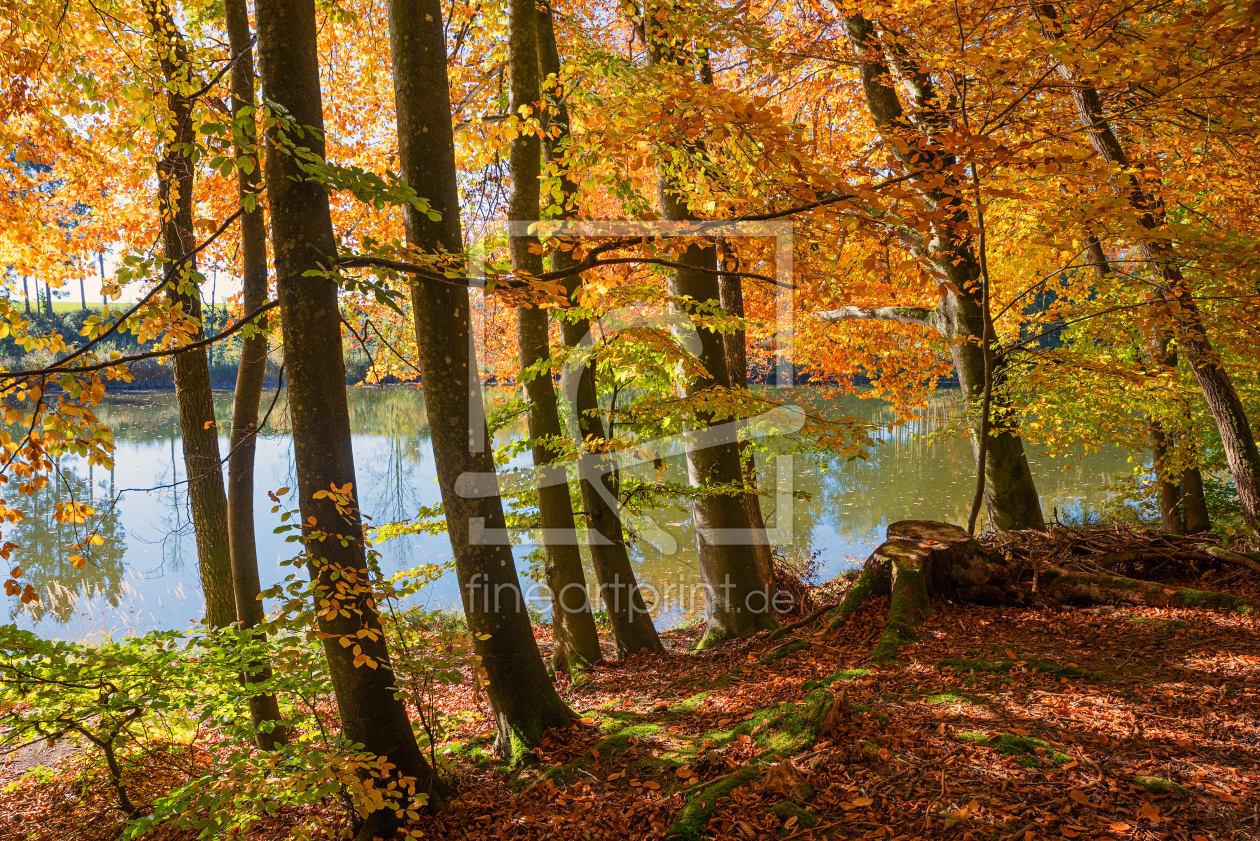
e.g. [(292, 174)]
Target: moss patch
[(689, 705), (701, 804), (804, 818), (1160, 785), (780, 653), (1005, 666), (1029, 749), (1214, 601)]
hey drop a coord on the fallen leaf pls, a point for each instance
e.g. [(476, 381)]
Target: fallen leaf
[(862, 801), (685, 772), (1079, 796), (1010, 654), (653, 785), (1120, 826), (1150, 812)]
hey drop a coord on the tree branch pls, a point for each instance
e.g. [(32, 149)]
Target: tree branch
[(904, 315)]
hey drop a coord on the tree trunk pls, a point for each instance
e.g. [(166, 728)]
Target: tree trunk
[(737, 597), (1010, 494), (1168, 493), (618, 586), (1175, 512), (1218, 390), (1193, 502), (302, 240), (731, 295), (199, 433), (249, 376), (523, 699), (576, 638)]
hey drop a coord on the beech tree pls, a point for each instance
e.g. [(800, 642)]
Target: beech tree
[(305, 248), (618, 586), (252, 370), (577, 641), (521, 695), (199, 433)]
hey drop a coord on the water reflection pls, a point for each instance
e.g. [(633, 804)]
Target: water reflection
[(144, 576)]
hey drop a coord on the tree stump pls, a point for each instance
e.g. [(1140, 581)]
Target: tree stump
[(921, 559)]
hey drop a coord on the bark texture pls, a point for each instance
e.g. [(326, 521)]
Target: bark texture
[(619, 591), (1218, 390), (246, 585), (199, 434), (1009, 493), (576, 638), (523, 699), (302, 240)]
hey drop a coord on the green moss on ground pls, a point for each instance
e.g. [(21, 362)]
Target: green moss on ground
[(689, 705), (1006, 665), (1160, 785), (950, 698), (804, 818), (843, 675), (781, 730), (1024, 747), (780, 653), (701, 804)]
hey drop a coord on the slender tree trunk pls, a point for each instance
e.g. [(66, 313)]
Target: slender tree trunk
[(523, 699), (737, 597), (731, 294), (576, 638), (302, 240), (1010, 494), (1168, 492), (199, 433), (1214, 381), (619, 588), (250, 374), (26, 294)]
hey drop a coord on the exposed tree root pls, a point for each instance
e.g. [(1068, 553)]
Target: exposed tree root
[(921, 559)]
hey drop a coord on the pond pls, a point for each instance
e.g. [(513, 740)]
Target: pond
[(145, 575)]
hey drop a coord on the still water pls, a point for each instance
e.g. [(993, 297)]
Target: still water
[(145, 575)]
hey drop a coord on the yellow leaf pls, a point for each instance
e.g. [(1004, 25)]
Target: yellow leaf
[(77, 561)]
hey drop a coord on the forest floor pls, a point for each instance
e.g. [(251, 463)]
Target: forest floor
[(998, 724)]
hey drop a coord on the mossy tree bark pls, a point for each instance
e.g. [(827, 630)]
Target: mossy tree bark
[(576, 638), (921, 559), (619, 591), (246, 585), (198, 432), (524, 701), (1009, 492), (303, 243), (1226, 407)]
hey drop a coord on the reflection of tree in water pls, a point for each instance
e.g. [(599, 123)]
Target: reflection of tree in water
[(44, 544)]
